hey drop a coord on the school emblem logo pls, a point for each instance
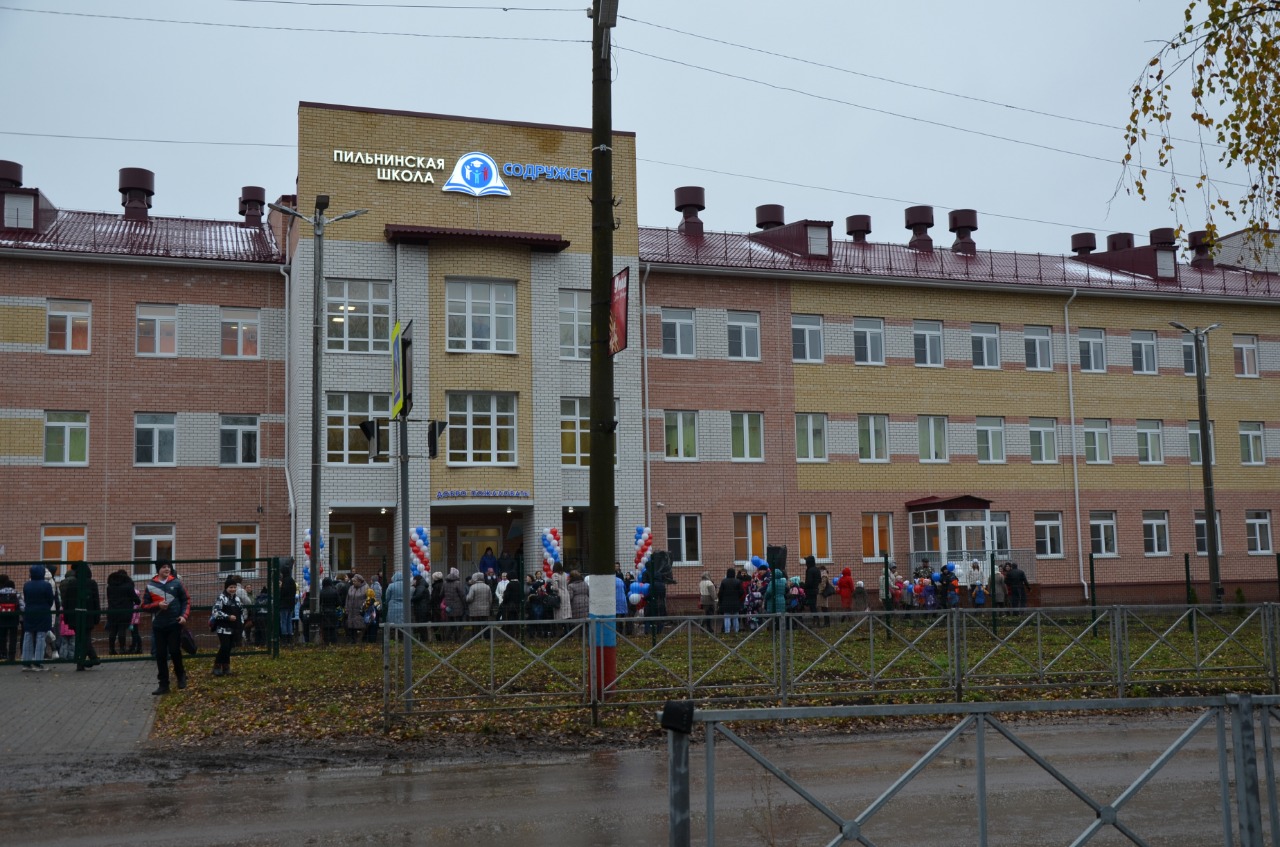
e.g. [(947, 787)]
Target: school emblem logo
[(477, 175)]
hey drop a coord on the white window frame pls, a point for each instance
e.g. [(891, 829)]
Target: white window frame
[(473, 304), (1257, 531), (1253, 444), (815, 535), (1201, 531), (680, 436), (927, 341), (159, 323), (344, 412), (746, 436), (19, 210), (68, 427), (868, 341), (680, 527), (1189, 355), (744, 333), (806, 338), (153, 427), (482, 429), (241, 331), (238, 547), (877, 527), (873, 438), (678, 333), (1037, 342), (1150, 442), (1155, 533), (1097, 441), (1195, 452), (811, 437), (1042, 435), (1142, 343), (1102, 534), (68, 314), (990, 436), (1093, 350), (1048, 531), (575, 325), (1245, 351), (243, 432), (64, 543), (933, 439), (752, 523), (150, 542), (985, 341), (575, 423)]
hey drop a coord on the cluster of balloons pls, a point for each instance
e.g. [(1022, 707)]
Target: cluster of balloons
[(550, 548), (306, 545), (644, 546), (419, 549), (639, 588)]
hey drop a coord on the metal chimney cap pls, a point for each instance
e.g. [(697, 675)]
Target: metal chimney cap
[(855, 224), (691, 196), (919, 216), (1084, 243), (138, 179), (770, 216), (10, 174)]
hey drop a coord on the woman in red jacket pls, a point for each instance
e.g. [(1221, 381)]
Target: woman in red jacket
[(845, 589)]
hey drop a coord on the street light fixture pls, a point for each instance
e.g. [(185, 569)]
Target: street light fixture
[(1201, 343), (318, 222)]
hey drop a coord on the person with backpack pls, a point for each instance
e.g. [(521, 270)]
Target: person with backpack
[(38, 599), (166, 599), (122, 599), (227, 619)]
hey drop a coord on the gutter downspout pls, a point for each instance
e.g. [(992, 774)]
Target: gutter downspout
[(644, 395), (1075, 455), (286, 270)]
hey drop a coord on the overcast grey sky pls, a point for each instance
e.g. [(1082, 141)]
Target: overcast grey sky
[(837, 123)]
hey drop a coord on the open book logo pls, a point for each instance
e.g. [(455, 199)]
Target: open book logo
[(477, 175)]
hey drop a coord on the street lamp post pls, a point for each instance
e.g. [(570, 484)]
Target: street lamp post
[(1200, 342), (318, 222)]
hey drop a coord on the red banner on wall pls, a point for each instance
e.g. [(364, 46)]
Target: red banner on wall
[(618, 312)]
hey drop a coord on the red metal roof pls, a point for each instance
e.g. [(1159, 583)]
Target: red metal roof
[(540, 241), (170, 238), (728, 250)]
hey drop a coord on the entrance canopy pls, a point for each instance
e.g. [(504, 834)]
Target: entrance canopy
[(964, 501)]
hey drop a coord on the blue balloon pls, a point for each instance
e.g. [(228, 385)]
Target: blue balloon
[(936, 577), (640, 530)]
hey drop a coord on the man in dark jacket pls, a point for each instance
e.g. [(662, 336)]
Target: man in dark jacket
[(1015, 580), (81, 609), (730, 600), (288, 598), (812, 582), (166, 599), (330, 603), (37, 618)]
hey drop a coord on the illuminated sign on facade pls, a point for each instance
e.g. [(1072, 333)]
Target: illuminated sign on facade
[(393, 167), (477, 174)]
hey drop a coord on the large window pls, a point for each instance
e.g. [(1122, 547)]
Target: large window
[(63, 544), (1102, 533), (575, 432), (68, 326), (1150, 443), (986, 345), (873, 439), (815, 536), (990, 432), (681, 435), (749, 537), (482, 316), (157, 331), (1093, 351), (1097, 441), (811, 438), (744, 335), (1037, 343), (359, 316), (238, 439), (877, 535), (347, 445), (575, 324), (66, 438), (1202, 532), (746, 431), (1195, 445), (150, 542), (237, 547), (868, 341), (806, 338), (1252, 445), (1044, 440), (677, 333), (927, 336), (1048, 535), (482, 429), (153, 439), (1257, 524), (1245, 348), (240, 333), (933, 438), (1155, 533), (684, 539), (1143, 344)]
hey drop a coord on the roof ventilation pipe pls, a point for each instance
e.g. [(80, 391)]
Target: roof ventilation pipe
[(859, 227), (1119, 241), (963, 222), (252, 200), (770, 216), (10, 174), (690, 199), (1083, 243), (1199, 241), (919, 219), (137, 186)]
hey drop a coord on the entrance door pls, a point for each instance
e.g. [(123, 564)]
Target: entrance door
[(342, 547), (472, 541), (967, 540)]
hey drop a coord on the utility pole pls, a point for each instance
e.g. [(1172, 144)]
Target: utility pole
[(1199, 338)]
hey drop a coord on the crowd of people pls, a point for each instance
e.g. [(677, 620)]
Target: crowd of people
[(950, 587)]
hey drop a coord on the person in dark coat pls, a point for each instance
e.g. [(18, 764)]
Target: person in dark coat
[(454, 598), (330, 602), (228, 618), (1015, 581), (10, 616), (288, 598), (166, 599), (122, 599), (812, 584), (420, 600), (730, 600), (37, 618), (81, 617)]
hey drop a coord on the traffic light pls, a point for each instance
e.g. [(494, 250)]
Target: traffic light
[(434, 430), (370, 430)]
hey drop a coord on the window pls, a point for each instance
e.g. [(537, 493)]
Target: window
[(873, 440), (240, 333), (986, 345), (1048, 535), (482, 316), (1194, 445), (1245, 348), (66, 438), (928, 343), (1093, 351), (682, 435), (358, 316), (811, 438), (19, 210), (575, 324), (868, 341), (68, 326), (1097, 441), (815, 537), (1155, 533), (157, 331), (153, 439), (150, 542), (877, 535), (747, 434), (1189, 355), (1251, 443), (237, 547), (1102, 533), (63, 544), (1036, 340), (1202, 534), (806, 338), (744, 335), (749, 537), (1257, 525), (990, 440), (346, 444), (1150, 443), (677, 333), (1044, 440), (819, 238), (482, 429), (1143, 344), (684, 539), (933, 438), (575, 432), (238, 439)]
